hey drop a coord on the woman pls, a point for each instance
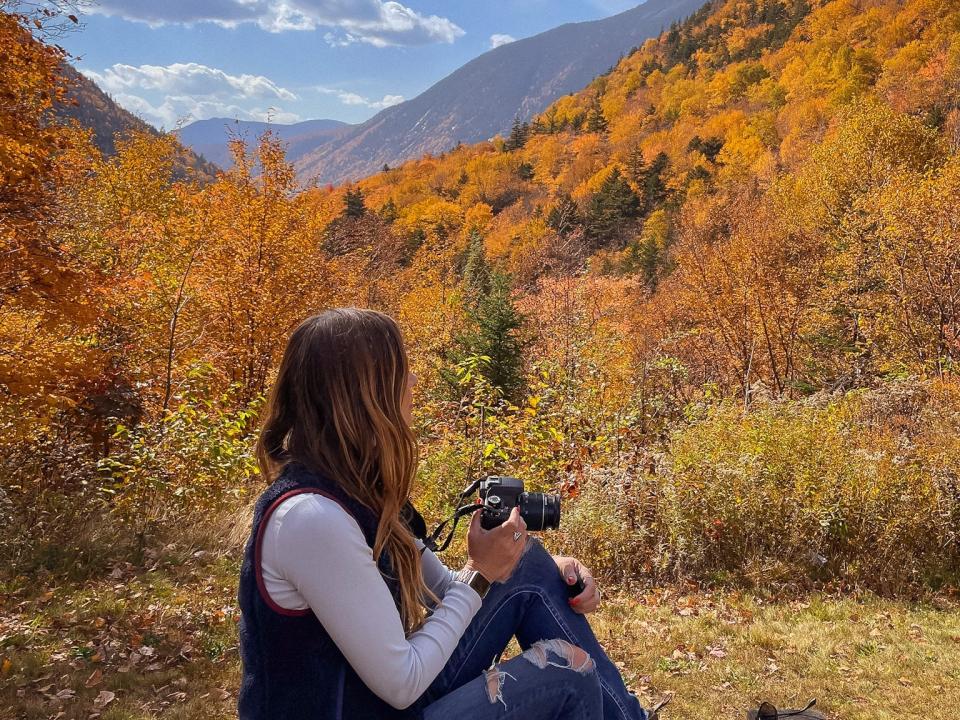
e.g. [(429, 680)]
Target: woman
[(345, 614)]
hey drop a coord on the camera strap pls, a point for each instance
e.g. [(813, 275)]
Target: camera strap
[(433, 542)]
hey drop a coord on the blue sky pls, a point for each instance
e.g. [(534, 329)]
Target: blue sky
[(173, 61)]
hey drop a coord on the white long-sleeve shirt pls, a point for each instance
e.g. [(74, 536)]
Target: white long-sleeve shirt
[(314, 555)]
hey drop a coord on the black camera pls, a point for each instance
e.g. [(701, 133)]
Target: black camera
[(498, 496), (540, 511)]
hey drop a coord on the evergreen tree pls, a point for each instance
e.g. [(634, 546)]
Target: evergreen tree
[(710, 147), (497, 335), (494, 325), (654, 187), (476, 270), (518, 135), (596, 122), (611, 207), (388, 213), (353, 205), (525, 171), (637, 166)]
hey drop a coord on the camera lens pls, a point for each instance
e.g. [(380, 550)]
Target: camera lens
[(540, 511)]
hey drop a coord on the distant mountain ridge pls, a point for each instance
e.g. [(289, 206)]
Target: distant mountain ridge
[(94, 109), (210, 137), (483, 97)]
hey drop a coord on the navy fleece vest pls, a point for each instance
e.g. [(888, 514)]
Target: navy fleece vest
[(292, 669)]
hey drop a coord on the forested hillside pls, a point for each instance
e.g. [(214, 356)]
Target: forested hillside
[(776, 187), (94, 109), (480, 99), (712, 298)]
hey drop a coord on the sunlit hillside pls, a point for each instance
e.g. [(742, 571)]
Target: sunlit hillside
[(796, 166)]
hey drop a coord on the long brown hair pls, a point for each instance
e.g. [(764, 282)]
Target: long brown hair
[(336, 407)]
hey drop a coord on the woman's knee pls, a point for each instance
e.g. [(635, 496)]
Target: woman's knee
[(557, 652), (535, 563), (567, 668), (583, 681)]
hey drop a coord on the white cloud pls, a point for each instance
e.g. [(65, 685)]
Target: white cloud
[(352, 98), (498, 39), (175, 111), (188, 78), (191, 91), (377, 22), (388, 101)]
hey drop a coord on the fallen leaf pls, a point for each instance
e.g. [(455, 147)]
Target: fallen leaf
[(104, 698), (96, 677)]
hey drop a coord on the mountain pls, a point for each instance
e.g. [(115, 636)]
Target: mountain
[(769, 192), (94, 109), (209, 137), (483, 97)]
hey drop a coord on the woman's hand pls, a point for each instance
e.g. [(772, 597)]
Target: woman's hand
[(589, 599), (495, 553)]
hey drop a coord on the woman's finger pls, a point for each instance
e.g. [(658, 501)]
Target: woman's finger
[(568, 568), (513, 525), (520, 521), (474, 530), (588, 600), (516, 521)]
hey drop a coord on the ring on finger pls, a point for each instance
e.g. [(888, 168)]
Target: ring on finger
[(517, 535)]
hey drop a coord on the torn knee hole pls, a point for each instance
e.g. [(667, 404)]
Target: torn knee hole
[(571, 657), (494, 677)]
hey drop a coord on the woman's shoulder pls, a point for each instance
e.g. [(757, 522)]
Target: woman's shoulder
[(314, 519)]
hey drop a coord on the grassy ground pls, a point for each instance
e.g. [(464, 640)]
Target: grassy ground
[(159, 641)]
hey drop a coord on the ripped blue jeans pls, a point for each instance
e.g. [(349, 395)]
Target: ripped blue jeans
[(563, 672)]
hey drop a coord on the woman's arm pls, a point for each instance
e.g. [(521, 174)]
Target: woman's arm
[(436, 575), (314, 555)]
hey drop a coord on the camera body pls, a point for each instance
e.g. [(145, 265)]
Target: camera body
[(500, 494)]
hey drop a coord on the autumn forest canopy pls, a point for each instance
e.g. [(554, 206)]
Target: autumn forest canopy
[(722, 280)]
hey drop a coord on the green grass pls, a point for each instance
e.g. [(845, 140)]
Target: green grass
[(161, 641)]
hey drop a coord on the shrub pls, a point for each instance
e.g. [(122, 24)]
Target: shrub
[(67, 506), (860, 490), (197, 458)]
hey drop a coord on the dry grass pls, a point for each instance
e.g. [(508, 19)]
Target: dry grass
[(142, 642), (720, 654), (159, 641)]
